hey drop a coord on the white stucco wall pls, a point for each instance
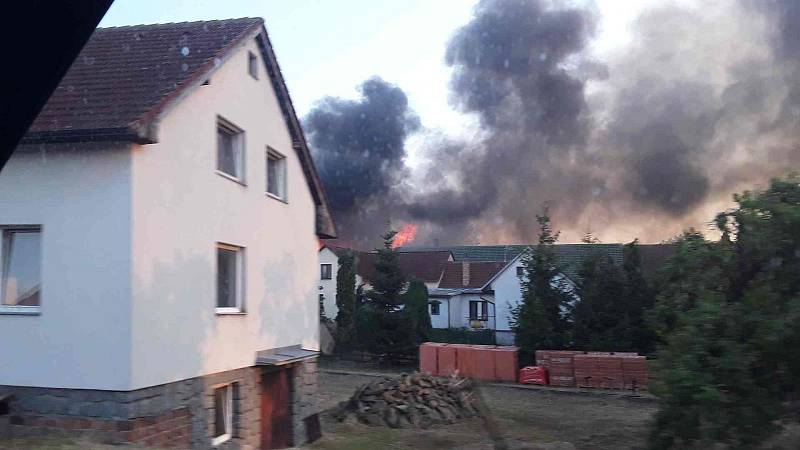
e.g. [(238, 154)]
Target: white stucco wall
[(81, 197), (182, 208), (328, 287), (440, 321), (507, 293)]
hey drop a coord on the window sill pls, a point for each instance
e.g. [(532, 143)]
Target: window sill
[(20, 310), (230, 312), (231, 177), (220, 439), (278, 198)]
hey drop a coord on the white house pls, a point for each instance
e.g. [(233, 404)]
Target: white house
[(426, 266), (159, 245)]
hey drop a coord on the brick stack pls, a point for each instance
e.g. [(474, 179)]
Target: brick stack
[(560, 365), (481, 362), (605, 370), (634, 372)]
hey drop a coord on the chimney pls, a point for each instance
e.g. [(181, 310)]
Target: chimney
[(465, 273)]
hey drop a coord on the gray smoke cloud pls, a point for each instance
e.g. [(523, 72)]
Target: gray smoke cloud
[(359, 148), (643, 142)]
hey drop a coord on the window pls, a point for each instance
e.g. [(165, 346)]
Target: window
[(230, 150), (223, 414), (276, 174), (230, 278), (20, 269), (325, 271), (435, 308), (252, 65), (520, 271), (475, 306)]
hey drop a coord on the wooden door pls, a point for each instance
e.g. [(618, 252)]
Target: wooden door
[(276, 423)]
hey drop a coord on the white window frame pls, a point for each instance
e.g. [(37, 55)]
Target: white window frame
[(18, 309), (276, 155), (227, 414), (252, 65), (240, 280), (239, 141), (330, 271)]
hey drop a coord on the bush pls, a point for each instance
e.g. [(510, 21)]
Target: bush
[(462, 336)]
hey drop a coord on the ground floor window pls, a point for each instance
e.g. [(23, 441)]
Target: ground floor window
[(478, 310), (435, 308), (20, 269), (223, 414)]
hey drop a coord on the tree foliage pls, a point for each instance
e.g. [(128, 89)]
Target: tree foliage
[(346, 302), (600, 318), (416, 309), (729, 320), (539, 321), (383, 326)]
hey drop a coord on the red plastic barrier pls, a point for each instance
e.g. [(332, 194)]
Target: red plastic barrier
[(533, 375), (484, 363)]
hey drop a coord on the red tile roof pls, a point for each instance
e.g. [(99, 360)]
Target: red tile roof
[(479, 273), (125, 77), (426, 266)]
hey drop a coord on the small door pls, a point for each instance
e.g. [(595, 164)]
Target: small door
[(276, 423)]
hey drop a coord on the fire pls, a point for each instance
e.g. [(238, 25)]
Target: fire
[(406, 234)]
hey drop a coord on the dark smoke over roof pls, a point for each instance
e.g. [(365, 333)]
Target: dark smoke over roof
[(641, 142)]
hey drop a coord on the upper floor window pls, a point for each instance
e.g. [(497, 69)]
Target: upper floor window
[(520, 271), (252, 65), (230, 150), (276, 174), (325, 271), (230, 278), (20, 269)]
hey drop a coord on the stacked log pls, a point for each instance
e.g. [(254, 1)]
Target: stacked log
[(416, 400)]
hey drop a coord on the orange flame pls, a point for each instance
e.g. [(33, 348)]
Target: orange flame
[(406, 234)]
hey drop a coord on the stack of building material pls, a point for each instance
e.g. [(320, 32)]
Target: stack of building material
[(634, 372), (560, 365), (598, 371), (606, 370), (481, 362)]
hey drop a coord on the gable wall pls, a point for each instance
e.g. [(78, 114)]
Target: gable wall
[(182, 208)]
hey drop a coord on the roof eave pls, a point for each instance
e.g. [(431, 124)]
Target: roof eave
[(145, 135)]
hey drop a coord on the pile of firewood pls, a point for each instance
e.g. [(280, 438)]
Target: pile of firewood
[(417, 400)]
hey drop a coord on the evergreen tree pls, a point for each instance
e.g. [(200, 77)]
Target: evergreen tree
[(539, 322), (416, 308), (638, 296), (346, 303), (384, 325), (600, 318), (729, 320), (388, 281)]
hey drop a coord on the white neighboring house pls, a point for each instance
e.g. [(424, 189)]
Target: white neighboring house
[(426, 266), (159, 238), (481, 295)]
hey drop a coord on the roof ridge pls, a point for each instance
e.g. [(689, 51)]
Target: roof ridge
[(185, 22)]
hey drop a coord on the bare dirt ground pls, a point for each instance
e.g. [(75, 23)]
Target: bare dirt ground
[(526, 418)]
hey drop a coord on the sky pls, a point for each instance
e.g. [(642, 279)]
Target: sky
[(327, 48), (627, 119)]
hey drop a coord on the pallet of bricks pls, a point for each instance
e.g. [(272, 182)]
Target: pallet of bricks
[(480, 362), (605, 370)]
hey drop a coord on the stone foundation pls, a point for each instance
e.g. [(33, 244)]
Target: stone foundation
[(174, 415)]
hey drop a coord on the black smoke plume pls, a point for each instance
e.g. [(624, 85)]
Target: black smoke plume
[(641, 142)]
